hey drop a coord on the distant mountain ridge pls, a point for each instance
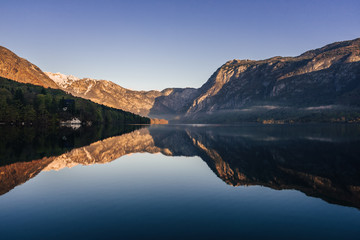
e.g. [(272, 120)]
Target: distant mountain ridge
[(113, 95), (321, 81)]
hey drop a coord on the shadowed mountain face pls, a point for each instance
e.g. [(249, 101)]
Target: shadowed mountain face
[(321, 161)]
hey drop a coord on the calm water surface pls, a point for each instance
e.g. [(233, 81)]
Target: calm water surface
[(181, 182)]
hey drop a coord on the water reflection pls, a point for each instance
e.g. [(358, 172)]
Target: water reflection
[(319, 160), (24, 152)]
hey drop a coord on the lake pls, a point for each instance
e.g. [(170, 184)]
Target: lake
[(181, 182)]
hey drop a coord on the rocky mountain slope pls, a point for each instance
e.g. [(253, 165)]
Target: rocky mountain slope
[(113, 95), (107, 93), (318, 79), (103, 92), (323, 81), (100, 91), (18, 69)]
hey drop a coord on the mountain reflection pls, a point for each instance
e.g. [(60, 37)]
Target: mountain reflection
[(318, 160)]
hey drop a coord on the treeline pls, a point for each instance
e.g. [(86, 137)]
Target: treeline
[(29, 104)]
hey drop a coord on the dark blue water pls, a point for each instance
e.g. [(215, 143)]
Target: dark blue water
[(177, 182)]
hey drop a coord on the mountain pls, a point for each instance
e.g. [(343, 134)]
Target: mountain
[(102, 92), (146, 103), (18, 69), (319, 85), (323, 79), (107, 93), (99, 91), (29, 104)]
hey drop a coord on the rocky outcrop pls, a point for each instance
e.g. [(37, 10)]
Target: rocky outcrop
[(18, 69)]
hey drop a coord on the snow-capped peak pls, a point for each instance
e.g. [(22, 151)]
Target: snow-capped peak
[(62, 80)]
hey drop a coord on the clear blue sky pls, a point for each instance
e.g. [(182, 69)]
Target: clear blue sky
[(159, 44)]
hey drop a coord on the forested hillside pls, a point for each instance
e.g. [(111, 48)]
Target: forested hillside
[(28, 104)]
